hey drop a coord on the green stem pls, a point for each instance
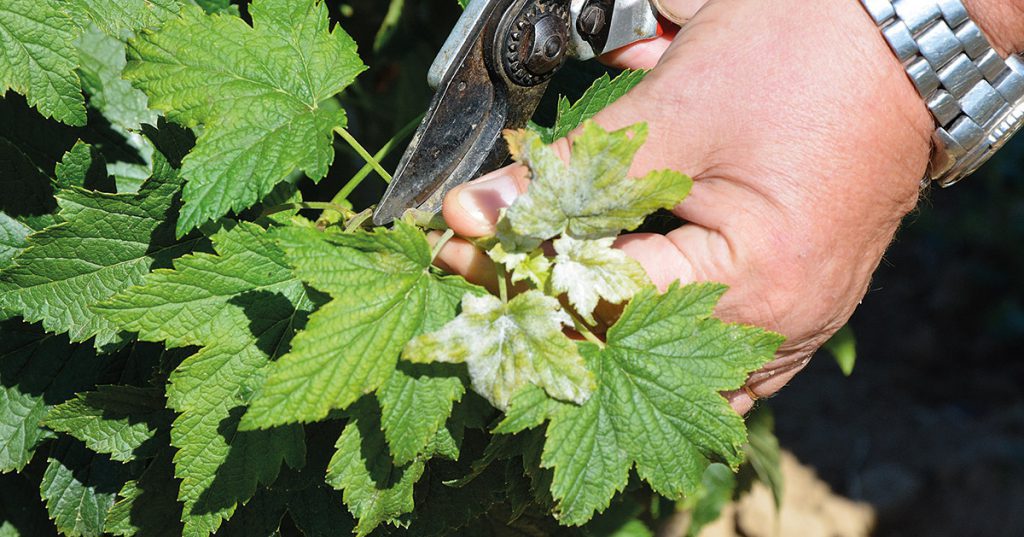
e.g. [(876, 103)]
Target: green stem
[(352, 142), (321, 205), (499, 268), (580, 326), (447, 236), (357, 221), (381, 154)]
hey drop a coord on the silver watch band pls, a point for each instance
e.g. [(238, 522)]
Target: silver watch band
[(976, 97)]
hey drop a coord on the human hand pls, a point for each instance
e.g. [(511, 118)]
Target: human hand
[(807, 143)]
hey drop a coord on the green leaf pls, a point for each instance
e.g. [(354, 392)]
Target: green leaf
[(36, 372), (122, 18), (763, 452), (12, 239), (375, 490), (242, 305), (216, 6), (27, 204), (528, 408), (717, 487), (507, 347), (38, 58), (590, 270), (148, 506), (593, 197), (415, 404), (104, 243), (28, 194), (83, 167), (843, 346), (79, 487), (604, 91), (271, 81), (120, 421), (658, 406), (383, 294), (102, 60)]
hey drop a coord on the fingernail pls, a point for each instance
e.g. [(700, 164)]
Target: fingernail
[(483, 199)]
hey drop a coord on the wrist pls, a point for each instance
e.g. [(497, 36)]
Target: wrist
[(1002, 21)]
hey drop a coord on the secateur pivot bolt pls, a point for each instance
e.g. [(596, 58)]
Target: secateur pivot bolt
[(536, 45)]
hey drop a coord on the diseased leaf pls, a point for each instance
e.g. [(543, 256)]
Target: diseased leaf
[(79, 487), (593, 197), (508, 347), (603, 92), (120, 421), (242, 305), (383, 294), (591, 270), (272, 81), (37, 371), (103, 244), (533, 266), (658, 406), (375, 490), (38, 58)]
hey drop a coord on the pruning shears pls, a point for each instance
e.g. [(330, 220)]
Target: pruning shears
[(490, 76)]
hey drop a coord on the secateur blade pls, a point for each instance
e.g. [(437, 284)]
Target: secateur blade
[(490, 76)]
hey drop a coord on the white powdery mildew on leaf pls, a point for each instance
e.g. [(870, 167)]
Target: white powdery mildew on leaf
[(508, 347), (532, 266), (593, 197), (588, 271)]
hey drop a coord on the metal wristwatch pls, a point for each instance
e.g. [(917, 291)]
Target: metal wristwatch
[(975, 95)]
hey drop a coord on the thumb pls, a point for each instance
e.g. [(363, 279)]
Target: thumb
[(646, 54), (678, 11), (472, 209)]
